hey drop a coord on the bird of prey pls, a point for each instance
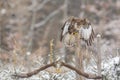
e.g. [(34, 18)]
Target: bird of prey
[(76, 25)]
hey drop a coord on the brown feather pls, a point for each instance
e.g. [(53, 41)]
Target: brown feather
[(61, 36), (73, 29)]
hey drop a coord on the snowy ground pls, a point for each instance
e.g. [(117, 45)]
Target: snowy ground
[(110, 70)]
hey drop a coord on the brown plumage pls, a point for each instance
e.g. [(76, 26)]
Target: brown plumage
[(81, 26)]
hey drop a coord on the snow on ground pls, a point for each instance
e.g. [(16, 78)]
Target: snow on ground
[(7, 70), (110, 70)]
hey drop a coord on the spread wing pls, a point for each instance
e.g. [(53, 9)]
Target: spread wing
[(64, 29), (87, 34)]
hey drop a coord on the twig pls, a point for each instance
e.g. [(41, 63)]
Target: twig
[(31, 32), (49, 17), (34, 8), (33, 72), (42, 4), (92, 76), (89, 76), (66, 8)]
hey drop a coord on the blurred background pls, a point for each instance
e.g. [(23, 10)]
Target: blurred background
[(27, 26)]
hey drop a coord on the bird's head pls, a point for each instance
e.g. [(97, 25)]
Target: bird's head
[(73, 24), (84, 23)]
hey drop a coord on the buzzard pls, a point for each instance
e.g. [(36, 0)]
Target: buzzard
[(80, 26)]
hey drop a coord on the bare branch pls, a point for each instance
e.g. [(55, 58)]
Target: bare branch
[(66, 8), (32, 7), (89, 76), (42, 4), (92, 76), (33, 72), (49, 17)]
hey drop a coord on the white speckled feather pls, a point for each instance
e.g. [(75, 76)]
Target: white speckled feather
[(85, 32), (65, 29)]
